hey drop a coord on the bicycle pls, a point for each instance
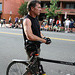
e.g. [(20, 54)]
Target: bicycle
[(22, 67)]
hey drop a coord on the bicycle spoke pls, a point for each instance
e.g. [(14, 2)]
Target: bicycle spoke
[(17, 69)]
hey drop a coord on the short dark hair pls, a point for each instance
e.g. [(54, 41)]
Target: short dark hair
[(32, 4)]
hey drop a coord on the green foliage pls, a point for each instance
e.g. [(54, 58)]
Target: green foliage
[(51, 11), (23, 9)]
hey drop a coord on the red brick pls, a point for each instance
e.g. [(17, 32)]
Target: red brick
[(11, 5)]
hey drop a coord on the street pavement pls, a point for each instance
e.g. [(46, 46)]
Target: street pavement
[(62, 48)]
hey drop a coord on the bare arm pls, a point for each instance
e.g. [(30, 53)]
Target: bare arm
[(42, 35), (29, 33)]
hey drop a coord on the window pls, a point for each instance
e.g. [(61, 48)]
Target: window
[(0, 6), (70, 5), (67, 6), (44, 3)]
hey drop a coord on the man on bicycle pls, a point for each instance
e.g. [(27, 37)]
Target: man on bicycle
[(31, 28)]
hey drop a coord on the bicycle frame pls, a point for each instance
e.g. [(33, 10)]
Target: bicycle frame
[(56, 61)]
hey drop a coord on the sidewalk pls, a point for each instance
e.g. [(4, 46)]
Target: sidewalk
[(3, 25), (51, 31)]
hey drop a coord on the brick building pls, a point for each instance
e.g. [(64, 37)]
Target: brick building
[(10, 7)]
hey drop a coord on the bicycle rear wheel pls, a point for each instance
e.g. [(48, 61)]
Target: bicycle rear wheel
[(17, 68)]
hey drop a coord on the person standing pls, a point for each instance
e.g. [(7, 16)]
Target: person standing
[(16, 20), (50, 23), (71, 25), (4, 22), (67, 23), (57, 22), (31, 30), (1, 22), (9, 19)]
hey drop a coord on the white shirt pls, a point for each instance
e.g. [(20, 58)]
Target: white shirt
[(67, 22)]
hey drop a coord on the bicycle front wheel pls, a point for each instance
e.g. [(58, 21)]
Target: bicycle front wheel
[(17, 68)]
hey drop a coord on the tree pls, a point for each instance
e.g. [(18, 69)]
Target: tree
[(51, 10), (23, 9)]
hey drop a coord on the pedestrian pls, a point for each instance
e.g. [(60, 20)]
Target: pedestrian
[(4, 22), (55, 28), (57, 22), (9, 19), (71, 25), (53, 22), (16, 20), (67, 23), (50, 23), (1, 22), (31, 31)]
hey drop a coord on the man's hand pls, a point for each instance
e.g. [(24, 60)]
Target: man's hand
[(48, 40)]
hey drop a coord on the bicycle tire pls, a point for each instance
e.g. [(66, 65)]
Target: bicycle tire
[(17, 68)]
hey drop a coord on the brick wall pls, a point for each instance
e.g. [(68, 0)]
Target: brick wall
[(0, 1), (13, 6)]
